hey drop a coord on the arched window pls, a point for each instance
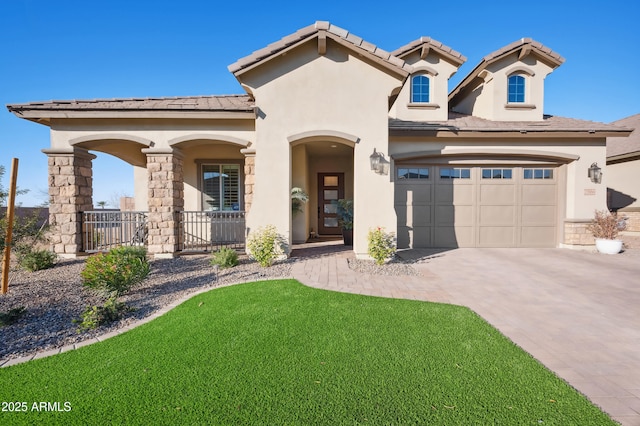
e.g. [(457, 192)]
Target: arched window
[(516, 89), (420, 89)]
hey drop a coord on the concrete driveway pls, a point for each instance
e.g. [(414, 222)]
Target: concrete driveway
[(576, 312)]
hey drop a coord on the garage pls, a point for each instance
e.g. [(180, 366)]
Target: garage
[(503, 205)]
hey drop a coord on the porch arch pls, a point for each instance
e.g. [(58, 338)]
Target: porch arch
[(209, 137), (121, 145)]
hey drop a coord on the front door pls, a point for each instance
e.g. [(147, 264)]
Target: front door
[(330, 189)]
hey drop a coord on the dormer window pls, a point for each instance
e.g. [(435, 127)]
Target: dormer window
[(516, 89), (420, 89)]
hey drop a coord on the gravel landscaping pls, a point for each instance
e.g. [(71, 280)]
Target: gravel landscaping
[(54, 297)]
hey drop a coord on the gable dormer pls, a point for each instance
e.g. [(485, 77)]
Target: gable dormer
[(508, 84), (424, 94)]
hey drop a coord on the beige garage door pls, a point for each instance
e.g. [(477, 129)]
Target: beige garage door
[(476, 206)]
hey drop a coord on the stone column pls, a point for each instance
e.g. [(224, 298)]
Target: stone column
[(249, 177), (70, 193), (166, 200)]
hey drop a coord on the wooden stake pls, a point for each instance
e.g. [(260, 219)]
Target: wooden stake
[(11, 203)]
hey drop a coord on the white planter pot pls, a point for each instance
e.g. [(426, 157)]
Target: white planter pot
[(608, 246)]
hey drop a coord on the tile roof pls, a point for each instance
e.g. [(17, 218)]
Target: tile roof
[(454, 56), (629, 145), (311, 31), (524, 45), (468, 123), (185, 103)]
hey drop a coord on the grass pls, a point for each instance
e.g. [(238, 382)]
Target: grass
[(277, 352)]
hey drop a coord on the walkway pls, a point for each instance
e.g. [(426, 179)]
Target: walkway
[(576, 312)]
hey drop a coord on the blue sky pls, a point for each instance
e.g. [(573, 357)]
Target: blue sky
[(69, 49)]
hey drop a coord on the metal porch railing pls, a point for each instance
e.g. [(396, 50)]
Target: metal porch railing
[(206, 231), (104, 230)]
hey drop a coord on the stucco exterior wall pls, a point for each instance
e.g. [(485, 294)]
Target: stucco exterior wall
[(490, 99), (307, 92), (300, 179), (439, 71), (624, 179)]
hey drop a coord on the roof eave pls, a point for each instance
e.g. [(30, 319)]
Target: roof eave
[(44, 116), (451, 131)]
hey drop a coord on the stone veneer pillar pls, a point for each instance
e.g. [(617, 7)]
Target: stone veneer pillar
[(249, 177), (70, 193), (166, 200)]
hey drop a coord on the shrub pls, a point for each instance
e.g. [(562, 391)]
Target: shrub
[(381, 245), (35, 260), (116, 271), (95, 316), (225, 258), (604, 225), (12, 315), (265, 245)]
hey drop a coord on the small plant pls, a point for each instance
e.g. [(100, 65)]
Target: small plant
[(225, 258), (381, 245), (345, 213), (117, 271), (298, 198), (95, 316), (265, 245), (12, 315), (604, 225), (35, 260)]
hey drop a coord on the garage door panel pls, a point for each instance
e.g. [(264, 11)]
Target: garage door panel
[(403, 237), (494, 194), (497, 236), (539, 195), (497, 216), (420, 236), (538, 215), (408, 194), (448, 193), (454, 236), (412, 194), (450, 215), (537, 236)]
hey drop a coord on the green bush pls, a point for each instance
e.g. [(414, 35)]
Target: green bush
[(381, 245), (117, 271), (225, 258), (95, 316), (265, 245), (12, 315), (35, 260)]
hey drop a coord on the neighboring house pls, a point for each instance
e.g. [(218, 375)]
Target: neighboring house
[(481, 166), (623, 173)]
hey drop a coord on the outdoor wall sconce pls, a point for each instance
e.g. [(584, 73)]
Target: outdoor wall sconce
[(595, 173), (378, 163)]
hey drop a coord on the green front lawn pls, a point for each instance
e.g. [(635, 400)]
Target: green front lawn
[(277, 352)]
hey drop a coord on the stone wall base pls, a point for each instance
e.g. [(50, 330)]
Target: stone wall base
[(633, 219), (576, 234)]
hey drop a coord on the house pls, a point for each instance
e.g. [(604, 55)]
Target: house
[(326, 111), (623, 173)]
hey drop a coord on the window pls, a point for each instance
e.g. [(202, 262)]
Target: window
[(538, 173), (420, 89), (221, 187), (497, 173), (413, 173), (516, 89), (454, 173)]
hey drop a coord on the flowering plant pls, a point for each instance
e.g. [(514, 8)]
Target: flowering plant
[(382, 245)]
